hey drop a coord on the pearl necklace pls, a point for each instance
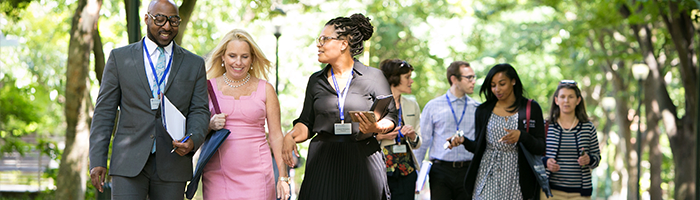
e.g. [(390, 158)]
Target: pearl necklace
[(573, 125), (228, 81)]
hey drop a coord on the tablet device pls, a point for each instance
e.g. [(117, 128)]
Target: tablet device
[(368, 114)]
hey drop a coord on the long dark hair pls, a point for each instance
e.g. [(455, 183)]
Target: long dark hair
[(393, 69), (579, 111), (355, 29), (510, 72)]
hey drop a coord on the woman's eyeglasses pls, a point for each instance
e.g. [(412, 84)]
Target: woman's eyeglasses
[(323, 39), (565, 82)]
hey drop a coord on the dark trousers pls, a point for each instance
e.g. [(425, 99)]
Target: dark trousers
[(447, 181), (402, 187), (146, 185)]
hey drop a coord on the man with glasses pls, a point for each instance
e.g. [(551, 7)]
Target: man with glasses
[(443, 117), (139, 80)]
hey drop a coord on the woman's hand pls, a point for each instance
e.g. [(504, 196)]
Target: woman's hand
[(388, 136), (512, 137), (584, 159), (454, 141), (552, 165), (289, 149), (217, 121), (367, 126), (283, 190), (408, 132)]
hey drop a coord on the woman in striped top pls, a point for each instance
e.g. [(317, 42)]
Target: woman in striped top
[(572, 145)]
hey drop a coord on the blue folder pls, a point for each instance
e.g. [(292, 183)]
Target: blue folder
[(209, 147)]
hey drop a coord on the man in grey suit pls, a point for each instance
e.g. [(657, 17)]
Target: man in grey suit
[(135, 79)]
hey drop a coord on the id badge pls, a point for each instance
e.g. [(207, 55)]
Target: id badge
[(154, 103), (460, 133), (399, 148), (343, 129)]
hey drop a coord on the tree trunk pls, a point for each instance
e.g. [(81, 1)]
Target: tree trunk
[(681, 131), (72, 172), (185, 9), (99, 55), (133, 21)]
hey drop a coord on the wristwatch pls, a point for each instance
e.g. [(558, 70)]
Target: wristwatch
[(285, 179)]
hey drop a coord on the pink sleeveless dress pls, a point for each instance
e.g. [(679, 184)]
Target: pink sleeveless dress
[(242, 167)]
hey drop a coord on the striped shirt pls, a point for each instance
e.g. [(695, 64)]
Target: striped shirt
[(565, 147)]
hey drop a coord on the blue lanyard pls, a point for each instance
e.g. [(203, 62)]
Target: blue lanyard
[(153, 69), (453, 111), (341, 97), (398, 139)]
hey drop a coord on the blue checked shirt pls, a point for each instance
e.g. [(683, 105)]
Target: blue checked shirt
[(437, 124)]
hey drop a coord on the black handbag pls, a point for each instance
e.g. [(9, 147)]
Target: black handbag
[(535, 161), (211, 144)]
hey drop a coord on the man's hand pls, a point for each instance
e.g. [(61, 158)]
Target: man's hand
[(97, 177), (183, 148), (512, 137)]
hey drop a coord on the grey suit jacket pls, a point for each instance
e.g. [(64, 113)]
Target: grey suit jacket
[(125, 87)]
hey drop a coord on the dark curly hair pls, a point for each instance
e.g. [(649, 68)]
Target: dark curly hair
[(393, 69), (355, 29)]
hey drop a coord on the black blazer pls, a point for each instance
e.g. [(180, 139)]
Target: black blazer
[(534, 141)]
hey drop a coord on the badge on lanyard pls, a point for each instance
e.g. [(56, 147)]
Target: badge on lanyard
[(342, 128), (155, 101), (399, 148)]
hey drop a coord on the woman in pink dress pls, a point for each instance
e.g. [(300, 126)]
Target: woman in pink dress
[(242, 167)]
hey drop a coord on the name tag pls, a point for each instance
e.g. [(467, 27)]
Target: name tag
[(154, 103), (343, 129), (399, 149)]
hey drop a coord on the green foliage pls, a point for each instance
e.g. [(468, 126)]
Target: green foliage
[(12, 8)]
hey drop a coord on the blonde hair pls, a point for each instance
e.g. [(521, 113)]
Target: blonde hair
[(261, 65)]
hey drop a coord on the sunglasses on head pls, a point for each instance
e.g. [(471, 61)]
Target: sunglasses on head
[(403, 64), (565, 82)]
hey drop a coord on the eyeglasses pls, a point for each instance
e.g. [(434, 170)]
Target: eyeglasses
[(470, 77), (322, 39), (160, 20), (564, 82)]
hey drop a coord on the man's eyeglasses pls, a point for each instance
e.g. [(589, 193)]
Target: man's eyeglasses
[(469, 77), (160, 20), (322, 39), (565, 82)]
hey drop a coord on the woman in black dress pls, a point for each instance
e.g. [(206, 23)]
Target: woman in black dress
[(344, 160)]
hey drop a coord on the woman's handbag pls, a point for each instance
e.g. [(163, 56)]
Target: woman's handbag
[(535, 161), (209, 147)]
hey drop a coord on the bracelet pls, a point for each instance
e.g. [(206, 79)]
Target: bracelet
[(285, 179)]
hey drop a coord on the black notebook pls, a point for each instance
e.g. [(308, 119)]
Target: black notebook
[(381, 106)]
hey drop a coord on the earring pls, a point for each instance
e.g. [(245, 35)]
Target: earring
[(251, 66), (343, 49), (222, 64)]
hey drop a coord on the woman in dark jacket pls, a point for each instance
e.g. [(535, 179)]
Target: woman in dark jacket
[(499, 169)]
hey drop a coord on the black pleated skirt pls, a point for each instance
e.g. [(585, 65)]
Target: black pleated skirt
[(340, 168)]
